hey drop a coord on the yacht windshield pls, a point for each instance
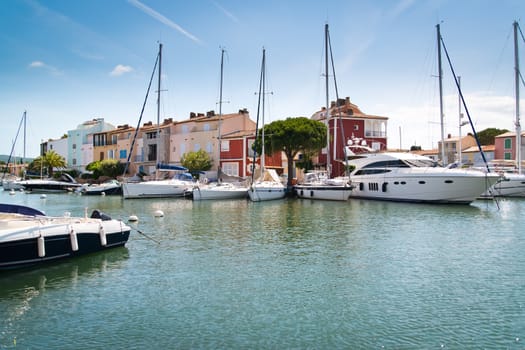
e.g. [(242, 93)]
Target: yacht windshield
[(421, 163)]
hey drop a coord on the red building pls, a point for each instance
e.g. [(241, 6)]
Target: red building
[(347, 122), (237, 155)]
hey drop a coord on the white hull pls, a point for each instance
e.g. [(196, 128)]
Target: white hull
[(155, 189), (510, 185), (32, 238), (324, 192), (216, 192), (266, 191), (267, 188), (426, 185), (12, 185)]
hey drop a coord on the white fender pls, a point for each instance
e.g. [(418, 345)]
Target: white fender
[(74, 240), (102, 233), (41, 246)]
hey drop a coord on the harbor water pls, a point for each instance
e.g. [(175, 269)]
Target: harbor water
[(291, 274)]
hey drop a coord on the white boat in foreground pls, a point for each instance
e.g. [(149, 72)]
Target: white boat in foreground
[(29, 237), (409, 177)]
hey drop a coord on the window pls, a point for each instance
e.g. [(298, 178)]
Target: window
[(508, 144), (507, 156), (111, 154), (74, 146), (74, 161), (182, 149), (151, 135), (98, 140), (123, 154), (231, 169), (356, 127), (209, 147), (101, 155), (225, 146), (373, 186), (206, 127), (196, 147), (184, 129)]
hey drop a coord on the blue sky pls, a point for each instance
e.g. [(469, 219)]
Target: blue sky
[(66, 62)]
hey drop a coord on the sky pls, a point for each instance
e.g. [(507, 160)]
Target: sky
[(66, 62)]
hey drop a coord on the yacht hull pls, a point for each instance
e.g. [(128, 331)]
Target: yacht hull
[(456, 188)]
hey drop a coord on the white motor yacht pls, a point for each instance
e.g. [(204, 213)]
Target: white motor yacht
[(409, 177)]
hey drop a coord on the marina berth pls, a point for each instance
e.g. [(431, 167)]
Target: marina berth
[(28, 237)]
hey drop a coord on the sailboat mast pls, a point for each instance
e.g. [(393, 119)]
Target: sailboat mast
[(158, 107), (25, 116), (220, 116), (263, 92), (441, 114), (517, 86), (328, 161), (460, 123)]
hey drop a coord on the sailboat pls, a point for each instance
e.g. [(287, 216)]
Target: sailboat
[(174, 187), (512, 184), (219, 189), (322, 185), (268, 186)]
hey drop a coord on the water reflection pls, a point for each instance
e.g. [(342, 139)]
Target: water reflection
[(21, 283)]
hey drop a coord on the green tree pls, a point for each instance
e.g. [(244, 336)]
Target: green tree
[(49, 161), (95, 168), (108, 167), (196, 161), (111, 168), (487, 136), (291, 136)]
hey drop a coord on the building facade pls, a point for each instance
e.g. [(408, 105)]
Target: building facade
[(78, 138), (346, 123)]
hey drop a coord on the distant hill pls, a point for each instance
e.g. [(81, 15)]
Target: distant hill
[(5, 157)]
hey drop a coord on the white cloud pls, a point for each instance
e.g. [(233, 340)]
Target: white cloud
[(36, 64), (42, 65), (120, 69)]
